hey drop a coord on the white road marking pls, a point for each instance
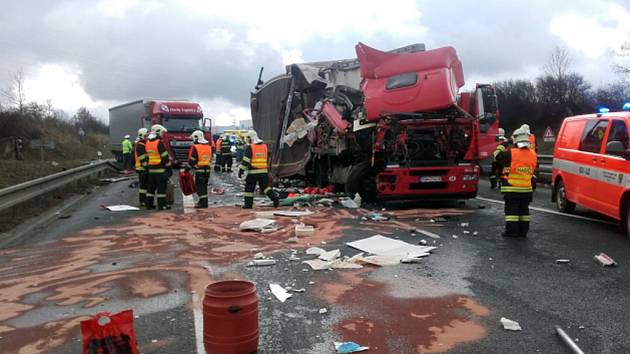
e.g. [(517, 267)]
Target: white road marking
[(549, 211), (198, 320)]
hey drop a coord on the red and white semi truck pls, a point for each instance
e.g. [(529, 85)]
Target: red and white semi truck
[(391, 125), (179, 117)]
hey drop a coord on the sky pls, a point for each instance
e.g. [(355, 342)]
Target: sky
[(101, 53)]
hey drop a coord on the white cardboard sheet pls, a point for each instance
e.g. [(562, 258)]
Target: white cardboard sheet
[(384, 246)]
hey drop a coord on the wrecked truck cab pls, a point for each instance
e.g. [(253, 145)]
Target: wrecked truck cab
[(387, 124)]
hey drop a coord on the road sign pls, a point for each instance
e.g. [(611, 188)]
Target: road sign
[(549, 136), (42, 144)]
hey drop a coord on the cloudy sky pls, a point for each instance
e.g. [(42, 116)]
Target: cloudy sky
[(101, 53)]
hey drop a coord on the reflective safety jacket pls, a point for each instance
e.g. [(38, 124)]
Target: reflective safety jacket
[(532, 142), (140, 155), (518, 169), (499, 149), (217, 146), (157, 155), (255, 158), (200, 156), (127, 146)]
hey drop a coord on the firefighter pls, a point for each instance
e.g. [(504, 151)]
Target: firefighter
[(217, 151), (200, 158), (255, 161), (518, 164), (141, 161), (127, 150), (495, 173), (158, 164), (226, 154)]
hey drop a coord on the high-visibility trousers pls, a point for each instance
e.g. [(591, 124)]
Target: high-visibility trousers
[(517, 213)]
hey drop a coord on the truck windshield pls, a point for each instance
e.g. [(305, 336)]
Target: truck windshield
[(181, 124)]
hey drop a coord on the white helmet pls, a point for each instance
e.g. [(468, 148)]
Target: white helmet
[(525, 127), (197, 135), (501, 132), (158, 129), (127, 136), (521, 137), (142, 133), (252, 136)]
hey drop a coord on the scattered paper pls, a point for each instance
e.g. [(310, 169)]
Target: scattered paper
[(349, 347), (510, 325), (121, 207), (315, 250), (259, 225), (384, 246), (279, 292), (382, 261)]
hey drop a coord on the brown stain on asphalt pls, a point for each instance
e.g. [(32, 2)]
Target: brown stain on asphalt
[(389, 324), (80, 270)]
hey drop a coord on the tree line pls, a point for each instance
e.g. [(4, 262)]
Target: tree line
[(557, 93)]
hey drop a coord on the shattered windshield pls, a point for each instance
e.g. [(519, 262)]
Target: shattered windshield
[(181, 124)]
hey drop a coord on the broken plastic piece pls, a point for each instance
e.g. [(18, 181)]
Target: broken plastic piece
[(510, 325), (322, 311), (259, 225), (318, 264), (330, 255), (315, 250), (562, 261), (279, 292), (120, 207), (605, 260), (349, 347), (302, 230), (261, 262)]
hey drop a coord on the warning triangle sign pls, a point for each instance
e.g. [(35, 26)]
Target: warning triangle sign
[(549, 136)]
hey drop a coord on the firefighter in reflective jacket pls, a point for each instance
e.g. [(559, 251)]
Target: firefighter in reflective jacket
[(141, 161), (518, 165), (200, 158), (158, 163), (217, 153), (255, 164), (495, 172), (225, 149)]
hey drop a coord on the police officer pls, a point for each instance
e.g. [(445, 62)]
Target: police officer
[(226, 154), (127, 149), (199, 158), (495, 172), (141, 161), (158, 162), (255, 161), (518, 165)]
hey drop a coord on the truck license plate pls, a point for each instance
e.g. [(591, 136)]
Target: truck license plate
[(431, 179)]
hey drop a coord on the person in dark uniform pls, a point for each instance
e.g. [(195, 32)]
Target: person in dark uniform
[(495, 172), (158, 162), (518, 165), (226, 154), (254, 163), (200, 158)]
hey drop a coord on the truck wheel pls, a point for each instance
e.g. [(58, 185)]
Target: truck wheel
[(362, 180), (563, 204)]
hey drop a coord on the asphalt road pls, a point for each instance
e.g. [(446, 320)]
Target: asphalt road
[(157, 263)]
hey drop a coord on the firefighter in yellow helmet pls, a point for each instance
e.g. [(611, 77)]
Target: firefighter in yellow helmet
[(158, 162), (254, 163), (518, 165), (140, 158), (200, 159)]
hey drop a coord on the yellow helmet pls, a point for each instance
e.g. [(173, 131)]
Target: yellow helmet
[(142, 133), (158, 129), (197, 135)]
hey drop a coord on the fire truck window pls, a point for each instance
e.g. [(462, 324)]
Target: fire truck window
[(593, 137), (619, 132)]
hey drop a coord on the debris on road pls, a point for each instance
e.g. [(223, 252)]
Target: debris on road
[(323, 311), (455, 237), (330, 255), (261, 262), (293, 213), (510, 325), (116, 179), (302, 230), (605, 260), (318, 264), (279, 292), (259, 225), (410, 260), (315, 250), (427, 233), (567, 340), (423, 242), (120, 207), (217, 191), (464, 224), (377, 217), (293, 240), (349, 347), (259, 255), (384, 246), (562, 261)]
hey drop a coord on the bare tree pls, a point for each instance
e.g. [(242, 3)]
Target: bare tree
[(558, 64), (624, 68), (15, 92)]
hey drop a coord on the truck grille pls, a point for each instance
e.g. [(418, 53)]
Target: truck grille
[(181, 154)]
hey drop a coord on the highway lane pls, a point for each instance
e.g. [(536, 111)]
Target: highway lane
[(157, 263)]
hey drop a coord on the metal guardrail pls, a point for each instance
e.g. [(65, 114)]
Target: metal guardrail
[(545, 162), (22, 192)]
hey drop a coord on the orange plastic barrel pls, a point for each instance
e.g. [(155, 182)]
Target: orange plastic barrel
[(230, 318)]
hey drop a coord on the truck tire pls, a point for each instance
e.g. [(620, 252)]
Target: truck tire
[(563, 204), (362, 180)]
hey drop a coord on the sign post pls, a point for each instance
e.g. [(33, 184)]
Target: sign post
[(41, 145), (549, 136)]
